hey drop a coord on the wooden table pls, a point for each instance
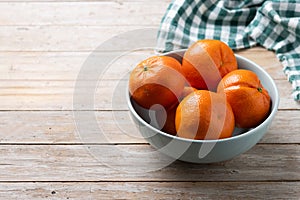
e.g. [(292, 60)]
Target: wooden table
[(43, 46)]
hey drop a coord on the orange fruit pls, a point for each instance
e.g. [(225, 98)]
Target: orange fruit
[(249, 100), (156, 80), (205, 63), (204, 115), (166, 119)]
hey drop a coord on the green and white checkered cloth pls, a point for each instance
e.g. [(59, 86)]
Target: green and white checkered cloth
[(274, 25)]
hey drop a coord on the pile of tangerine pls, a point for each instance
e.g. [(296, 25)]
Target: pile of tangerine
[(204, 97)]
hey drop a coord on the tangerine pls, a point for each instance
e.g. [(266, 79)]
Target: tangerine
[(249, 100), (156, 80), (204, 115), (205, 63)]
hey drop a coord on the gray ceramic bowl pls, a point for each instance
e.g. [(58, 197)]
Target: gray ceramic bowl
[(206, 151)]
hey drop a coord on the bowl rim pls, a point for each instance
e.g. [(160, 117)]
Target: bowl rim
[(274, 109)]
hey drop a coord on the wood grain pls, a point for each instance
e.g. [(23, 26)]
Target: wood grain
[(137, 163), (108, 95), (102, 1), (59, 127), (97, 13), (67, 65), (60, 38), (155, 190)]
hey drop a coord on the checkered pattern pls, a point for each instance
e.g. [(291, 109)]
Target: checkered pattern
[(274, 25)]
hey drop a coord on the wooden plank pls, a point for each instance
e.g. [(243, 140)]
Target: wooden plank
[(107, 95), (66, 65), (284, 128), (97, 13), (76, 38), (266, 59), (135, 163), (285, 92), (153, 190), (49, 1), (59, 127), (62, 38)]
